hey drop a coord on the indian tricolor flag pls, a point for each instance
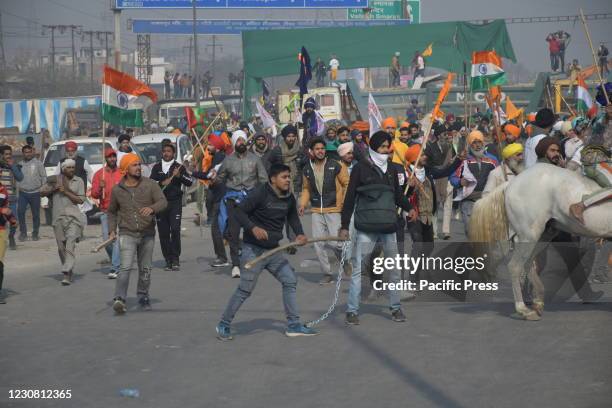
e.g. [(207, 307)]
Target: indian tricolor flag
[(124, 98), (486, 70), (583, 99)]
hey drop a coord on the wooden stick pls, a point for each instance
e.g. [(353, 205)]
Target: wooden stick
[(102, 245), (281, 248), (206, 133), (597, 68)]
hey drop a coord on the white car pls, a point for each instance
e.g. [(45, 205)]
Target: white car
[(150, 147), (90, 148)]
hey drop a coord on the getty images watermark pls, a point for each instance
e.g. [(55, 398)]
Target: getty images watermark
[(414, 265)]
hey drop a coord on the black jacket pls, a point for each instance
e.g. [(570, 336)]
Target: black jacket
[(172, 191), (326, 198), (266, 209), (363, 174), (437, 152)]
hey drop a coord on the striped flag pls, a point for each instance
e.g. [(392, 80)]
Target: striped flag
[(15, 113), (584, 102), (374, 115), (486, 70), (124, 98)]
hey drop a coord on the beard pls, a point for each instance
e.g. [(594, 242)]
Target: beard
[(477, 153), (516, 166), (241, 149)]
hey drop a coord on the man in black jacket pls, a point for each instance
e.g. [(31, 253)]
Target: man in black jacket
[(374, 176), (262, 214), (171, 176)]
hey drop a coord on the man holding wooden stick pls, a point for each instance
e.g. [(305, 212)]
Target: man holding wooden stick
[(262, 214)]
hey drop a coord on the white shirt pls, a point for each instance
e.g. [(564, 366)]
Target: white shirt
[(334, 63), (166, 165), (530, 154)]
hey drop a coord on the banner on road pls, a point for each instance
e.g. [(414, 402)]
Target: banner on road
[(220, 27), (290, 4)]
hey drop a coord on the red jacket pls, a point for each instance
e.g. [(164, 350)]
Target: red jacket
[(553, 45), (111, 178), (4, 208)]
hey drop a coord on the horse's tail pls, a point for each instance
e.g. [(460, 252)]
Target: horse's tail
[(489, 222)]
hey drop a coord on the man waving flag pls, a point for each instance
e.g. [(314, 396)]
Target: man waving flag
[(486, 70)]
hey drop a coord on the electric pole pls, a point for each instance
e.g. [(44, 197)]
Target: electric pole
[(91, 57), (52, 28), (2, 56), (195, 56), (72, 29), (213, 45)]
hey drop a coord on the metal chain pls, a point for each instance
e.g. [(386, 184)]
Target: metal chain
[(345, 247)]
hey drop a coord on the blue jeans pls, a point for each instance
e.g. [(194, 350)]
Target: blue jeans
[(279, 267), (33, 200), (112, 250), (140, 248), (364, 243)]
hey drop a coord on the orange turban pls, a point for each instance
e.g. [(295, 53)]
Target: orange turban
[(127, 160), (475, 135), (405, 125), (412, 153), (389, 122), (512, 130)]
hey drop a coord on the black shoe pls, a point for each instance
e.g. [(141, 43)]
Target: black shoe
[(12, 243), (22, 237), (168, 266), (35, 237), (291, 250), (217, 263), (176, 266), (145, 303), (398, 316), (352, 318), (592, 296)]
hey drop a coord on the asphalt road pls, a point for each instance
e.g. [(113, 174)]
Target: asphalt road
[(447, 354)]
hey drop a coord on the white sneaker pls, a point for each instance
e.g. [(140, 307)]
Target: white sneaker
[(235, 272), (112, 275)]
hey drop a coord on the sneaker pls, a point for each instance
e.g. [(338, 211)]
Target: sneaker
[(168, 266), (446, 237), (22, 237), (112, 275), (145, 303), (298, 329), (591, 297), (235, 272), (223, 332), (352, 318), (119, 306), (218, 263), (66, 280), (326, 280), (398, 316), (35, 237), (176, 266)]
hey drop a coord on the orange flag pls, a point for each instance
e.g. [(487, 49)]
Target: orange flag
[(494, 96), (512, 111), (442, 95)]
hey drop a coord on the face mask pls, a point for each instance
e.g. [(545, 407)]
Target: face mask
[(241, 149)]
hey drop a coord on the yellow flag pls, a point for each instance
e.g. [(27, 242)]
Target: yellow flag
[(428, 51)]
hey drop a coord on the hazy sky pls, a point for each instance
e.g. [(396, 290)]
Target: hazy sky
[(22, 20)]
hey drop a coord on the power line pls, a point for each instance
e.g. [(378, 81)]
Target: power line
[(547, 19), (21, 17)]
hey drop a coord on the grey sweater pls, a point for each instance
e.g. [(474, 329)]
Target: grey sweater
[(34, 176), (242, 173)]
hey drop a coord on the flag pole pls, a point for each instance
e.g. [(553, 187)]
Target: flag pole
[(103, 142), (498, 132), (597, 68), (465, 102)]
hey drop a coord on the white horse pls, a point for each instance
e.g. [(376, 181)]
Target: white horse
[(539, 194)]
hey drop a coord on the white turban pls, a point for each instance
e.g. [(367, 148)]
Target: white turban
[(344, 148), (68, 162), (238, 134)]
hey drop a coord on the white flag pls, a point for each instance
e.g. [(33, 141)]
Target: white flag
[(266, 118), (374, 116), (320, 124)]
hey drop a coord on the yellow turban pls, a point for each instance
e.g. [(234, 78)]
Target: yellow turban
[(127, 160), (511, 150), (475, 135)]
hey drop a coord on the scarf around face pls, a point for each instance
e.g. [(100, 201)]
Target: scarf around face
[(290, 155), (380, 160)]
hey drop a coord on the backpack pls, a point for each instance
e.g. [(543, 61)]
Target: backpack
[(375, 209)]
